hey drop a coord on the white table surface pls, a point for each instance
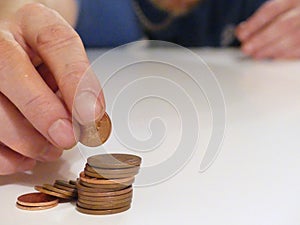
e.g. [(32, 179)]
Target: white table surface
[(255, 178)]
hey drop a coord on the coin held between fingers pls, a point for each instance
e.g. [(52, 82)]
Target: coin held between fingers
[(97, 133)]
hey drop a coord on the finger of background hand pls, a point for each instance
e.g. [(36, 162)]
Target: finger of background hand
[(61, 49), (282, 26), (280, 47), (25, 88), (13, 162), (293, 53), (20, 136), (264, 15)]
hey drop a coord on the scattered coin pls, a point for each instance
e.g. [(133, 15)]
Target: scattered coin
[(97, 133), (52, 193), (114, 161), (35, 208), (36, 199), (57, 190), (66, 184)]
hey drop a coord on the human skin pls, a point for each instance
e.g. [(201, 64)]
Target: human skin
[(273, 31), (42, 85)]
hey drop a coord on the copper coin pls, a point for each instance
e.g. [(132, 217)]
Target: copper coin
[(103, 207), (106, 198), (52, 193), (108, 176), (114, 161), (102, 212), (125, 181), (134, 170), (95, 188), (35, 208), (104, 187), (62, 187), (105, 202), (57, 190), (36, 199), (103, 194), (65, 183), (97, 133)]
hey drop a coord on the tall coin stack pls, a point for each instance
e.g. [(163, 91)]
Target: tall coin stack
[(105, 185)]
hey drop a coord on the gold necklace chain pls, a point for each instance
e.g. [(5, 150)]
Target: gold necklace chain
[(149, 25)]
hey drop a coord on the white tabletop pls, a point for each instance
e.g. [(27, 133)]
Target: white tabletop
[(254, 180)]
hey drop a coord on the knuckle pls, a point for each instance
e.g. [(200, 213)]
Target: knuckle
[(73, 74), (56, 36), (36, 107)]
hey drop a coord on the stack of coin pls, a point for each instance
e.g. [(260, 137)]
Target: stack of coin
[(105, 185), (60, 189)]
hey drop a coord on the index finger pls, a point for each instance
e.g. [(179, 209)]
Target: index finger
[(61, 49), (263, 16)]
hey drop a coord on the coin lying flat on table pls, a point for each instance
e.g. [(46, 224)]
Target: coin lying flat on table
[(97, 133), (114, 161), (36, 199), (35, 208)]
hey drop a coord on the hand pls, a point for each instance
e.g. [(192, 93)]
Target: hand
[(176, 7), (41, 54), (273, 31)]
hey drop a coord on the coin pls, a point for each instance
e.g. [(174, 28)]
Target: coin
[(102, 212), (114, 161), (96, 134), (36, 199), (72, 190), (129, 199), (105, 187), (105, 198), (35, 208), (65, 183), (92, 193), (125, 181), (110, 173), (104, 206), (57, 190), (133, 170), (52, 193)]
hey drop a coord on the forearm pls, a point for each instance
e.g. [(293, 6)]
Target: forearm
[(67, 8)]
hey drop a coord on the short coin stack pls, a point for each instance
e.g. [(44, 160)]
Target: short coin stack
[(105, 185), (60, 189)]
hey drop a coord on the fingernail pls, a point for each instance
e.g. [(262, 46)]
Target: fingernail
[(61, 133), (50, 153), (26, 164), (87, 107)]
